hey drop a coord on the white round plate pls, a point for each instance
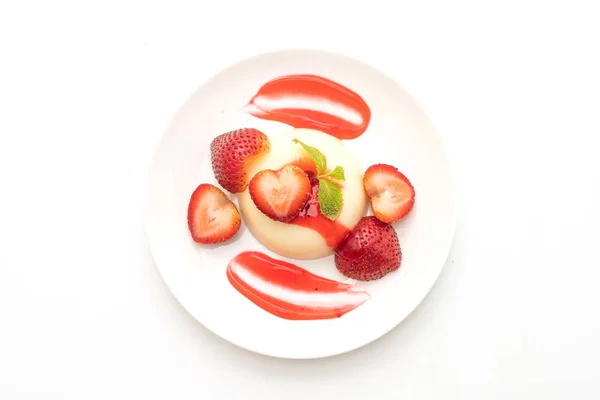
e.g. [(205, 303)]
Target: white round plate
[(399, 134)]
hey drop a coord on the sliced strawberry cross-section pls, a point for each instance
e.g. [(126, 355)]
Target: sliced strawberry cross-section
[(280, 194), (392, 195), (212, 217)]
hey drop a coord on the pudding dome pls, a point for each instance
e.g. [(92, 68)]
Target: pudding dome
[(310, 236)]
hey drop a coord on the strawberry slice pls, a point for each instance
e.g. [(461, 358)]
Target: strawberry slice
[(392, 195), (212, 217), (281, 194)]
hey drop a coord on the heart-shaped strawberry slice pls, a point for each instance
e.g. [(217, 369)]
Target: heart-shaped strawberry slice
[(212, 217), (280, 194)]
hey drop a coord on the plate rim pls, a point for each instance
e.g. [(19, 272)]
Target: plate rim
[(152, 167)]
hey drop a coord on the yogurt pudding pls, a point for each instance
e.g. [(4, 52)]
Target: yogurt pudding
[(310, 235)]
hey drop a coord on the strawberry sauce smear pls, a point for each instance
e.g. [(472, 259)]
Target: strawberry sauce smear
[(313, 102), (288, 291), (310, 217)]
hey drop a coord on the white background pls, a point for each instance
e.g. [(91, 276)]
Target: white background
[(86, 90)]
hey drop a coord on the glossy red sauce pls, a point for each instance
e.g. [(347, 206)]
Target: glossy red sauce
[(310, 217), (288, 291), (314, 102)]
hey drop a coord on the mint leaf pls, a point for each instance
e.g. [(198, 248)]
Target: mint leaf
[(316, 155), (337, 173), (330, 199), (330, 194)]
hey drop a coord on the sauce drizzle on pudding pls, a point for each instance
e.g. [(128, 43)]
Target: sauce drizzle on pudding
[(310, 217)]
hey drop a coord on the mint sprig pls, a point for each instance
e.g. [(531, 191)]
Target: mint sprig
[(330, 199), (330, 196), (337, 173), (316, 155)]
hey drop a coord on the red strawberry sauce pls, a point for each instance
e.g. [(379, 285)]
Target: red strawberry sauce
[(314, 102), (310, 217), (288, 291), (279, 287)]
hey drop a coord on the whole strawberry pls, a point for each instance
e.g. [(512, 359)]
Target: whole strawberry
[(370, 251), (231, 151)]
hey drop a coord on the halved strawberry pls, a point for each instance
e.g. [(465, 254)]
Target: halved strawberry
[(370, 251), (212, 217), (392, 195), (231, 151), (281, 194)]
